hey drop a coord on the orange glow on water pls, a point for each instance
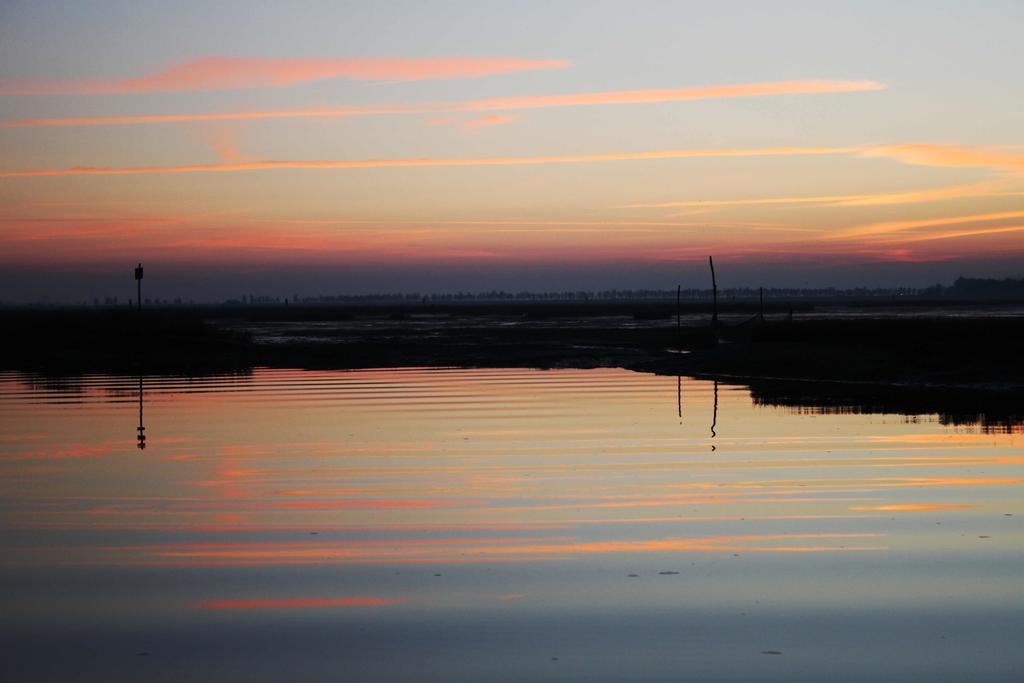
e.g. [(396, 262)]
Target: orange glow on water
[(468, 467), (913, 507)]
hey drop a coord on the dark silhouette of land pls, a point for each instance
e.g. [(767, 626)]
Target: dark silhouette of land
[(67, 341), (923, 347), (960, 361)]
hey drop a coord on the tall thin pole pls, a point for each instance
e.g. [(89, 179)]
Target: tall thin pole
[(138, 282), (760, 292), (679, 314), (714, 294)]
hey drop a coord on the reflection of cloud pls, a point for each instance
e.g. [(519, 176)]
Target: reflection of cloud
[(913, 507), (296, 603), (340, 504), (913, 482), (485, 550), (72, 451), (493, 104), (219, 73)]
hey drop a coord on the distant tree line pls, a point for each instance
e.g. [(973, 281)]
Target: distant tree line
[(690, 294), (962, 289), (978, 288)]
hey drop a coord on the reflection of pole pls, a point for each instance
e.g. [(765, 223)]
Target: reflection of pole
[(760, 293), (141, 428), (679, 396), (714, 294), (714, 414)]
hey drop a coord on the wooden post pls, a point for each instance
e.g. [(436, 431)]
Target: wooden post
[(760, 292), (714, 294), (138, 281), (679, 313)]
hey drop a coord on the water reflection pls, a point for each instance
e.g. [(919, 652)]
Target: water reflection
[(679, 398), (567, 509), (141, 429), (991, 411), (714, 412)]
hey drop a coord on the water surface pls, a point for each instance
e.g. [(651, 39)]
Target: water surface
[(466, 525)]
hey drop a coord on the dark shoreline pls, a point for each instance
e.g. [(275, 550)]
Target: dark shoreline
[(969, 370)]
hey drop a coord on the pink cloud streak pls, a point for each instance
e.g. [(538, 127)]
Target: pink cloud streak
[(952, 156), (488, 120), (222, 73), (407, 163), (491, 104)]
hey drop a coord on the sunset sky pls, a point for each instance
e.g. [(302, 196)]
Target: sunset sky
[(275, 149)]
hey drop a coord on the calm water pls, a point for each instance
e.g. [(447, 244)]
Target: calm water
[(471, 525)]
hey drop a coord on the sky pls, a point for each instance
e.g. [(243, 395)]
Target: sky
[(277, 149)]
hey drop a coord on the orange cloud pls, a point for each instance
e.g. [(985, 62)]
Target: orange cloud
[(714, 92), (221, 73), (492, 104), (223, 140), (900, 226), (922, 154), (406, 163), (488, 120), (473, 123), (953, 234), (987, 189)]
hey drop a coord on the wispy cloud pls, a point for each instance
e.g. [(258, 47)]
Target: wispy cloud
[(985, 189), (890, 227), (488, 120), (491, 104), (223, 140), (221, 73), (714, 92), (199, 239), (953, 234), (471, 124), (955, 156), (438, 121), (414, 163)]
